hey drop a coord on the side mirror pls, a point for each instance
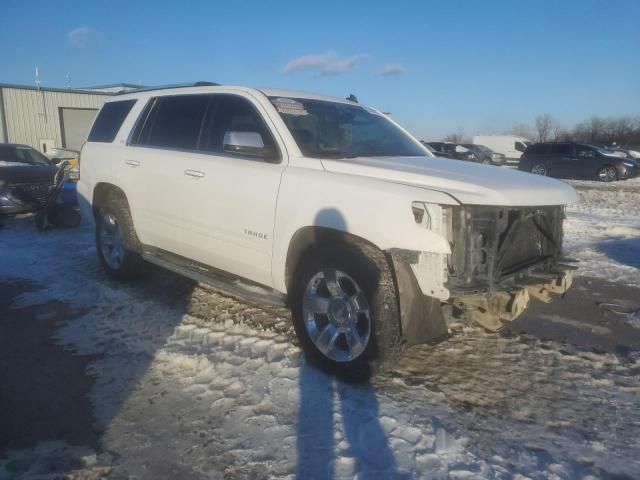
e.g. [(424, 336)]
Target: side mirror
[(248, 143)]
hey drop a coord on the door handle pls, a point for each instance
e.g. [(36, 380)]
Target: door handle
[(194, 173), (132, 163)]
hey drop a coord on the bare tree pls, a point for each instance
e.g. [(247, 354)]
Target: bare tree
[(558, 133), (457, 137), (595, 129), (520, 129), (545, 126), (622, 129)]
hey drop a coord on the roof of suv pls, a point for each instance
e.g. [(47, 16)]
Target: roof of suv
[(269, 92), (15, 145)]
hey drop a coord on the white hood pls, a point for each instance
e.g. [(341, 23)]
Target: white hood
[(469, 183)]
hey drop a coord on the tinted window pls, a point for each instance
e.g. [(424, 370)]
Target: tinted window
[(519, 146), (584, 152), (449, 148), (325, 129), (141, 132), (21, 155), (109, 121), (561, 149), (232, 113), (538, 149), (174, 122)]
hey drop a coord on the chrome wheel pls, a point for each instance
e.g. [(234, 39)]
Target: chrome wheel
[(607, 174), (539, 169), (336, 315), (111, 241), (486, 161)]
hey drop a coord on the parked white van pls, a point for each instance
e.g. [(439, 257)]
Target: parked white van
[(511, 146)]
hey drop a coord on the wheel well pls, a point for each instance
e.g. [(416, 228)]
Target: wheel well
[(101, 194), (308, 238)]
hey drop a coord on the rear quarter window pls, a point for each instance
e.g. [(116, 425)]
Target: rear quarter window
[(561, 149), (538, 149), (109, 121)]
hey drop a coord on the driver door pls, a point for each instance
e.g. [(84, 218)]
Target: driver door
[(229, 197)]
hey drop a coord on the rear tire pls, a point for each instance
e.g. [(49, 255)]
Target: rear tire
[(347, 295), (607, 173), (116, 240), (539, 169)]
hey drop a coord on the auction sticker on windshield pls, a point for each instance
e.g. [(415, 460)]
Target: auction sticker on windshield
[(289, 106)]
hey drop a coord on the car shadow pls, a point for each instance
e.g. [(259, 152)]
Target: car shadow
[(339, 430), (52, 400), (622, 250), (326, 446)]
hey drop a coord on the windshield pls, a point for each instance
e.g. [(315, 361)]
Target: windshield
[(22, 155), (325, 129)]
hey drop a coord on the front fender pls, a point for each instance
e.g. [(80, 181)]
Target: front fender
[(376, 211)]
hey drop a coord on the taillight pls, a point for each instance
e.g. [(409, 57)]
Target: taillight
[(74, 168)]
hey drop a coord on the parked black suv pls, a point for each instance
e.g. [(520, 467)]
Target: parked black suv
[(26, 178), (576, 160)]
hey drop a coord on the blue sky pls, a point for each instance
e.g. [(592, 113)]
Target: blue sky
[(436, 66)]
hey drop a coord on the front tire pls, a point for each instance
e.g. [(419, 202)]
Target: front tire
[(116, 240), (346, 312)]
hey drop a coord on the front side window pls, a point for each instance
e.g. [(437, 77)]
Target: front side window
[(231, 113), (325, 129), (109, 121), (584, 152)]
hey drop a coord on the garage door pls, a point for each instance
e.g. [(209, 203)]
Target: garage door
[(75, 124)]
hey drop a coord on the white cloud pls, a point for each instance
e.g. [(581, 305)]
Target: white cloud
[(82, 37), (309, 62), (327, 63), (343, 65), (393, 69)]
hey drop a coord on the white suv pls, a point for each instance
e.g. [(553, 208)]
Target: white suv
[(322, 204)]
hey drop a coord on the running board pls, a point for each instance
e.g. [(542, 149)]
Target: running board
[(230, 284)]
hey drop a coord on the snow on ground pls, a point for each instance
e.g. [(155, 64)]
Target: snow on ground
[(603, 230), (190, 383)]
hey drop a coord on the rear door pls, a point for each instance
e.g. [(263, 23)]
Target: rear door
[(229, 202), (164, 139), (585, 162), (560, 160)]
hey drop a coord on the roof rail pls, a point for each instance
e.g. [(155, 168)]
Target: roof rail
[(176, 85)]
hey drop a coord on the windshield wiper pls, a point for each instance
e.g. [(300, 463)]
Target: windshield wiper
[(337, 155)]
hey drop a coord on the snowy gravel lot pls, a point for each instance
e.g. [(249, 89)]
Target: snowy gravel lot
[(184, 382)]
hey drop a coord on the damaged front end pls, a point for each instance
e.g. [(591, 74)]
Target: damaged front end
[(503, 256), (500, 257)]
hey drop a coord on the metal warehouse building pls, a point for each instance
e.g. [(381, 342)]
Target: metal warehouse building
[(47, 118)]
